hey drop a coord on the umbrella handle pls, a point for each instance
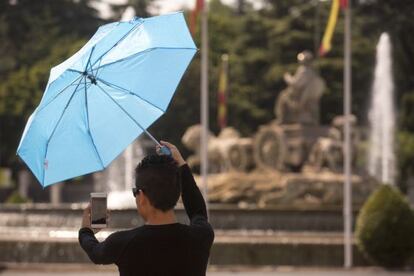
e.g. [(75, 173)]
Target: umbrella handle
[(164, 150)]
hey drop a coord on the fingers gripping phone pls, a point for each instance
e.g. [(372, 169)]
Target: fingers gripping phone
[(98, 210)]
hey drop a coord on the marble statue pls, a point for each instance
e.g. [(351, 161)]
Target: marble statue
[(299, 102)]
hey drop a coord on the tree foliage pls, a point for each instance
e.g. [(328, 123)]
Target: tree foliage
[(384, 228), (35, 35)]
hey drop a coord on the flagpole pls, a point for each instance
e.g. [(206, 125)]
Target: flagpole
[(204, 100), (347, 143)]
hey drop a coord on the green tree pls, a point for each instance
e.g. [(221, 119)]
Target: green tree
[(384, 228), (35, 35)]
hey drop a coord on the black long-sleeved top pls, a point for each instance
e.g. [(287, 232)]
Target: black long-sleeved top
[(162, 250)]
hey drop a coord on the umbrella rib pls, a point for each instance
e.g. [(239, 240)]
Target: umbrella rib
[(125, 58), (97, 70), (55, 127), (126, 113), (87, 63), (89, 59), (89, 128), (130, 92), (75, 71), (59, 93), (144, 52), (122, 38)]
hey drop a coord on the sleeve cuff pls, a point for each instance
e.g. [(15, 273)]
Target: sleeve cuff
[(86, 230), (185, 168)]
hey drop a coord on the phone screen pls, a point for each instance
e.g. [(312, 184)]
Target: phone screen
[(98, 214)]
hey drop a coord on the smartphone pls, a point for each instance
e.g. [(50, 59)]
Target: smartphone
[(98, 210)]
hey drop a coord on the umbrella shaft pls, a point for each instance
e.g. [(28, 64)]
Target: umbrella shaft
[(152, 137)]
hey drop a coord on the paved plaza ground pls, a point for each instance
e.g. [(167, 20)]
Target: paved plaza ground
[(89, 270)]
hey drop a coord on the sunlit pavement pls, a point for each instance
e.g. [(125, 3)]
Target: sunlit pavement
[(83, 270)]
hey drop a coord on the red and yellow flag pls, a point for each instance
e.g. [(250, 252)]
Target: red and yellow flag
[(344, 4), (222, 92), (330, 27), (195, 14)]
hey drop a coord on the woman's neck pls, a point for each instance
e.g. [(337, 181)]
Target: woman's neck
[(158, 217)]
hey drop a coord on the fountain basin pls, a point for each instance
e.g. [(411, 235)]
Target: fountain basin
[(289, 235), (222, 216), (249, 247)]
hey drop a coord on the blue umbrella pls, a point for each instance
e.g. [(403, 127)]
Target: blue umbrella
[(107, 94)]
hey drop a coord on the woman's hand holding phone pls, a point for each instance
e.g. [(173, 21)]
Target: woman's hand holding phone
[(86, 218)]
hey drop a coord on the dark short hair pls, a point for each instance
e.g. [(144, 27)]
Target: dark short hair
[(157, 176)]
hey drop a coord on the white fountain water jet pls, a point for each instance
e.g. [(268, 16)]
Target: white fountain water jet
[(120, 177), (382, 116)]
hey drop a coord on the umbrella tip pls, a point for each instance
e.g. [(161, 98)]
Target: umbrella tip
[(136, 18)]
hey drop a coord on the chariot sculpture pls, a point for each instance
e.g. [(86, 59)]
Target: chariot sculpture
[(293, 141)]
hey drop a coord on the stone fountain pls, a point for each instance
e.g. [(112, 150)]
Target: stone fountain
[(291, 161)]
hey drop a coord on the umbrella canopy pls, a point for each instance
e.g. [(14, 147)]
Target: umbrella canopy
[(103, 97)]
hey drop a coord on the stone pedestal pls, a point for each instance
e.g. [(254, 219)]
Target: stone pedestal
[(267, 188)]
